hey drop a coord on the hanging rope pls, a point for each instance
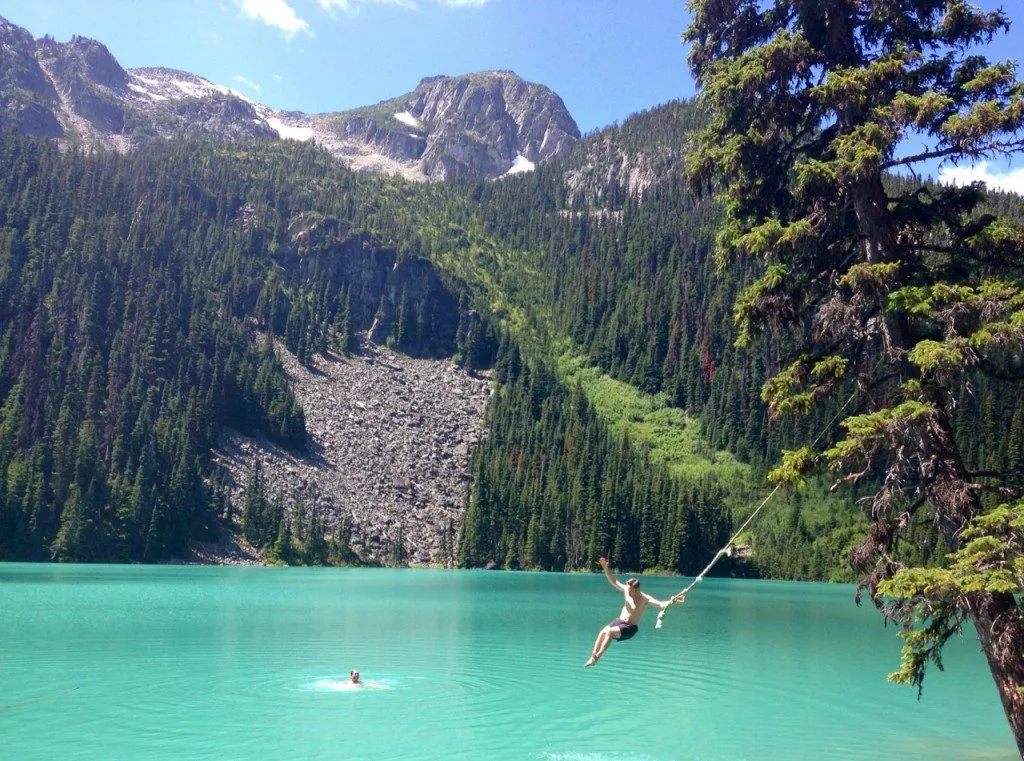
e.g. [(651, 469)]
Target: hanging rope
[(728, 546), (720, 553)]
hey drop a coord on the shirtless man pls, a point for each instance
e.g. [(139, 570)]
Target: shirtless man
[(625, 626)]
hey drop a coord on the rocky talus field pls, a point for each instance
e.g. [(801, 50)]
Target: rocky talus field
[(389, 446)]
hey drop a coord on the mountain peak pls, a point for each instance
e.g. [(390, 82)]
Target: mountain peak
[(476, 125), (85, 58), (485, 122)]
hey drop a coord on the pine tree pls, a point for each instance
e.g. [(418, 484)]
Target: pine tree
[(254, 508), (316, 543), (283, 547), (811, 105), (343, 323)]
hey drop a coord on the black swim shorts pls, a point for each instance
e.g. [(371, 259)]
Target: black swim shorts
[(626, 629)]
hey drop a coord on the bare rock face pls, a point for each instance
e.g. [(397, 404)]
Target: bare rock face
[(388, 451), (224, 116), (28, 99), (413, 284), (605, 170), (478, 124), (90, 81), (474, 126), (399, 145), (628, 160), (380, 285)]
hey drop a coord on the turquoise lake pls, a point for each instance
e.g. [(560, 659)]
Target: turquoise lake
[(163, 662)]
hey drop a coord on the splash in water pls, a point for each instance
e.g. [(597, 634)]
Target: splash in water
[(346, 685)]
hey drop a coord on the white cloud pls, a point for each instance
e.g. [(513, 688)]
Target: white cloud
[(276, 13), (352, 6), (1011, 180), (254, 86)]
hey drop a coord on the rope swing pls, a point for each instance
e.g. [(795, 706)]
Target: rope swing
[(728, 545), (720, 553)]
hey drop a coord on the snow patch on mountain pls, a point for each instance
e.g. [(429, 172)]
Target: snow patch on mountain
[(520, 165), (157, 84), (190, 89), (288, 131), (144, 93), (408, 119)]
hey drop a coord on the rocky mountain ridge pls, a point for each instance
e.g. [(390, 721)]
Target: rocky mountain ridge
[(474, 126), (626, 161)]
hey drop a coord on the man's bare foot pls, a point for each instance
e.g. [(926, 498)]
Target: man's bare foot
[(590, 662)]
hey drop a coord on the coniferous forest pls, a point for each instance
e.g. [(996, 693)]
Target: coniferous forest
[(139, 294), (125, 343), (553, 489)]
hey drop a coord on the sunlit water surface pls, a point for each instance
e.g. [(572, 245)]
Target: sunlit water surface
[(143, 662)]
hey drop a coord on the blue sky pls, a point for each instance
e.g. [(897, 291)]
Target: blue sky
[(606, 58)]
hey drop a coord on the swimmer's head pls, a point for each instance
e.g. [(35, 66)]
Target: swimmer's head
[(354, 676), (633, 583)]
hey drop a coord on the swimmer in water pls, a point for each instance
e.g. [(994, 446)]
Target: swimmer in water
[(353, 676), (633, 608)]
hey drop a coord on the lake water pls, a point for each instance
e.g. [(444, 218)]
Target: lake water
[(157, 662)]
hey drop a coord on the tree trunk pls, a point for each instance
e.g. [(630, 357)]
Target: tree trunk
[(1000, 625)]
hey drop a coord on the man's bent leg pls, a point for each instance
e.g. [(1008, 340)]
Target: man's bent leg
[(597, 646), (604, 639)]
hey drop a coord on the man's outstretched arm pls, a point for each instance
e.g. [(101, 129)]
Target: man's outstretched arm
[(609, 575), (662, 604)]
